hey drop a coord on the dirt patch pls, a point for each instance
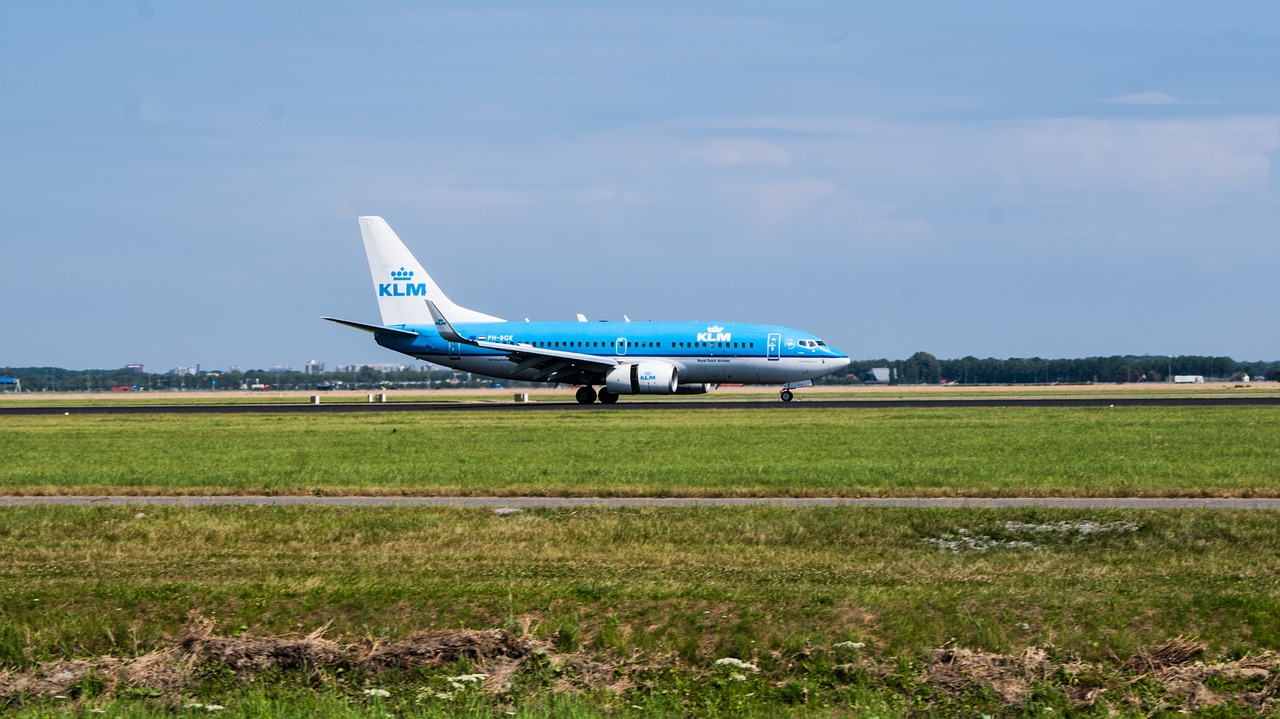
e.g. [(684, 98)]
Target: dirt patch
[(1009, 676), (1182, 684), (445, 647), (1165, 672)]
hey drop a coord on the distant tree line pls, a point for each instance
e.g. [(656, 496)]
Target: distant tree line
[(57, 379), (924, 368), (919, 368)]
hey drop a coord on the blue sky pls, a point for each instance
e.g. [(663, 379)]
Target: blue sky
[(181, 180)]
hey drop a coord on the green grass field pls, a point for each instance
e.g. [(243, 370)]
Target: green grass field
[(670, 590), (1183, 451), (841, 611)]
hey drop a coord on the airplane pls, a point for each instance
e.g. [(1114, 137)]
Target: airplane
[(633, 358)]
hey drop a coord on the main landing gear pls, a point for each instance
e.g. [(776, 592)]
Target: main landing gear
[(587, 395), (786, 395)]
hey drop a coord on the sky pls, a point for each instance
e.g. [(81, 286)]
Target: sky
[(180, 181)]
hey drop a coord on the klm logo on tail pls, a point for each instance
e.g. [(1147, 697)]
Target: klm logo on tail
[(396, 289)]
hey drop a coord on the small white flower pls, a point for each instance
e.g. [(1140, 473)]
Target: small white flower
[(213, 707), (377, 693), (474, 678), (193, 705), (737, 677), (848, 645), (97, 711), (736, 664)]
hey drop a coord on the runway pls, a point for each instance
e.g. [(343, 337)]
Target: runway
[(625, 405), (618, 502)]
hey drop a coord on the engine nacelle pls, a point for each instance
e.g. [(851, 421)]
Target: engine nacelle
[(643, 378), (696, 388)]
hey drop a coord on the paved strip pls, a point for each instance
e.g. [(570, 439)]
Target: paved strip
[(612, 502), (301, 408)]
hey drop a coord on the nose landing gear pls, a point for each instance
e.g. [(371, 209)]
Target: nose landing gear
[(786, 395)]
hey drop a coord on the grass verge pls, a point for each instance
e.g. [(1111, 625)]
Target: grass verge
[(1180, 451), (838, 610)]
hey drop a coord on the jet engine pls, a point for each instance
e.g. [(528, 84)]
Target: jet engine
[(642, 378)]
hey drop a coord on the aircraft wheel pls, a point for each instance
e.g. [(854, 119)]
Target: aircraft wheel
[(607, 397), (786, 395), (585, 395)]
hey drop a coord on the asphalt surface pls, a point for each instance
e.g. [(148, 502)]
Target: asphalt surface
[(613, 502), (624, 405)]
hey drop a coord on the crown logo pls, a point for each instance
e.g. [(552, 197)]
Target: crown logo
[(401, 275), (715, 328)]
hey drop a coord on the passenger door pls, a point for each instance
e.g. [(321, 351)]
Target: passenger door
[(773, 347)]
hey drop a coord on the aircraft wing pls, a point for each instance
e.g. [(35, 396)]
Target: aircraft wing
[(377, 329), (551, 361)]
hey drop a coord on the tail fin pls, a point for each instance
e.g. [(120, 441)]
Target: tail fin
[(402, 284)]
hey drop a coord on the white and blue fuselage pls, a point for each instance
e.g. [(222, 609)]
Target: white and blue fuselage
[(619, 357)]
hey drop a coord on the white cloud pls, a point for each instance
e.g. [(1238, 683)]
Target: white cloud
[(736, 153), (1144, 98), (451, 205), (817, 207), (1192, 157), (1158, 156), (779, 203), (611, 194)]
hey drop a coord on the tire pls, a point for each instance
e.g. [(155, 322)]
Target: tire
[(607, 397), (585, 395), (786, 395)]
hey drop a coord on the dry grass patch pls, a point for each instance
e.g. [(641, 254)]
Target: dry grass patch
[(496, 657)]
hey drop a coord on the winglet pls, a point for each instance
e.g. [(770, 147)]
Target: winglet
[(445, 329)]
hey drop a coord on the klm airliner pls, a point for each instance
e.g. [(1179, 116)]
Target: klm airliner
[(646, 358)]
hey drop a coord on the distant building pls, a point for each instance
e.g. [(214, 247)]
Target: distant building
[(185, 371), (878, 375), (313, 367), (375, 367), (135, 367), (1188, 379)]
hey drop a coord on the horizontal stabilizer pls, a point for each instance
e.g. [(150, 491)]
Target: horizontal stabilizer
[(379, 329)]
